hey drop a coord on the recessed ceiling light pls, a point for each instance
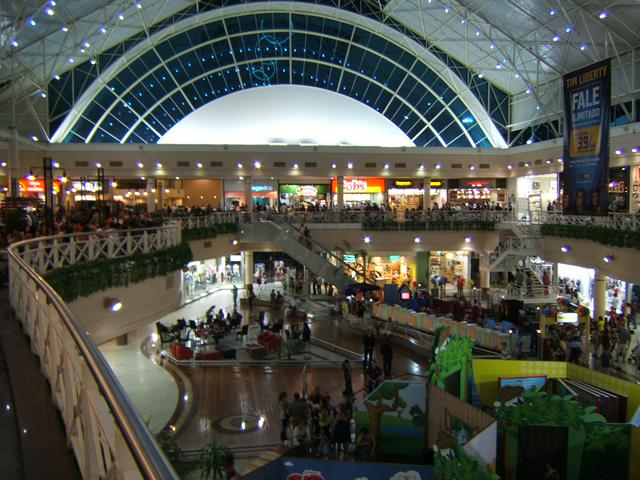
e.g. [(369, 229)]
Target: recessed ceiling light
[(120, 17), (333, 165), (367, 239), (239, 165), (417, 240), (438, 166), (98, 165), (421, 167), (386, 166), (568, 29), (528, 90), (481, 75), (553, 11), (257, 164), (199, 164), (603, 14), (468, 240), (295, 165), (50, 11), (509, 166), (635, 149), (619, 151), (158, 165), (140, 165), (472, 167), (32, 22), (608, 258), (583, 47), (349, 165), (565, 248), (556, 37)]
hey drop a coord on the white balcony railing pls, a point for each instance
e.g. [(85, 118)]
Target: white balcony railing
[(108, 437)]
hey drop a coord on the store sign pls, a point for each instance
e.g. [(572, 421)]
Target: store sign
[(262, 188), (479, 183), (617, 186), (349, 258), (436, 183), (86, 186), (359, 185), (407, 183), (36, 186), (394, 258), (235, 258), (304, 190)]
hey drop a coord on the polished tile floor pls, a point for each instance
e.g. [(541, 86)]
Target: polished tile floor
[(218, 394)]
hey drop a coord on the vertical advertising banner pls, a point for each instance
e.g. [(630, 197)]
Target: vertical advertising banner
[(587, 98)]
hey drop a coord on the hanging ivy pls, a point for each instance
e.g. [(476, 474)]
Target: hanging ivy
[(202, 233), (607, 236), (374, 224), (456, 355), (84, 279)]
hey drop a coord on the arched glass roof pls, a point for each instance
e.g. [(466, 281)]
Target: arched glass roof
[(141, 96)]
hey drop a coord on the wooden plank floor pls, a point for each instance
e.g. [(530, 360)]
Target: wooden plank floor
[(42, 441)]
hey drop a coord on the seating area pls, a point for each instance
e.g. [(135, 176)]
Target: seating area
[(270, 340)]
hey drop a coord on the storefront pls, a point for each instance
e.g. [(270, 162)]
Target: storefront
[(575, 281), (35, 188), (397, 269), (304, 195), (449, 265), (535, 194), (360, 192), (616, 294), (264, 194), (407, 194), (233, 194), (477, 193), (619, 189), (202, 277)]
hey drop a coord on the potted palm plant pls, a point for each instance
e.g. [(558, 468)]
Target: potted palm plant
[(212, 460)]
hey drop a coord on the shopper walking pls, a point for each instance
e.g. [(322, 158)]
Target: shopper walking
[(346, 373), (368, 343), (387, 356)]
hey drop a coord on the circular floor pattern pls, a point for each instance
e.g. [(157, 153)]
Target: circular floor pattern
[(239, 423)]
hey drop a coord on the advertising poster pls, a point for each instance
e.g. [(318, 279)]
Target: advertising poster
[(587, 98)]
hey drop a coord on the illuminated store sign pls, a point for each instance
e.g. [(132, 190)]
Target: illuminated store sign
[(36, 186), (359, 185), (394, 258), (304, 190), (262, 188), (349, 258), (86, 186)]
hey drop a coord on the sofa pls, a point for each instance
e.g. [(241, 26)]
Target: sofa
[(270, 340), (181, 352)]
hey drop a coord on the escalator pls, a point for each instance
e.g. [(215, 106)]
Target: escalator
[(318, 259)]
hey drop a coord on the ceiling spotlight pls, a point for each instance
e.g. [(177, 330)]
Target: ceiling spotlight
[(158, 165), (239, 165), (510, 167), (14, 43), (112, 304), (528, 90), (438, 166), (468, 239), (568, 29), (177, 178), (113, 184), (560, 160), (386, 166), (477, 33), (257, 164), (56, 76), (141, 165), (240, 177), (333, 165), (472, 167), (608, 258), (565, 248), (32, 22), (295, 165), (549, 161), (3, 164), (583, 47), (120, 17), (349, 165), (92, 61), (556, 38), (553, 11), (603, 14), (199, 164), (367, 239), (103, 29), (527, 164), (421, 167), (234, 242), (98, 165), (31, 176), (481, 75), (619, 151), (56, 164), (50, 11), (65, 29), (166, 190), (417, 240), (34, 138), (635, 149)]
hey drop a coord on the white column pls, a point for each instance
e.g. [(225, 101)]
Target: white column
[(161, 194), (599, 295), (426, 195), (248, 267), (151, 196), (340, 181)]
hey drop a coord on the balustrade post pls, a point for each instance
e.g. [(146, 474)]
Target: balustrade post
[(91, 243), (40, 257), (72, 250), (145, 242), (110, 253), (129, 244), (56, 253)]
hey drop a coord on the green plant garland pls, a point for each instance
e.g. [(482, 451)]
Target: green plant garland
[(460, 466), (202, 233), (538, 408), (452, 225), (606, 236), (84, 279)]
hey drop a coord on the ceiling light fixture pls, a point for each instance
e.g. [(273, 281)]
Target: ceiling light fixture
[(417, 240), (333, 165), (556, 37), (98, 165), (619, 151), (349, 165), (112, 304), (386, 166), (199, 164), (257, 164), (510, 166), (438, 166), (158, 165), (367, 239), (608, 258), (583, 47), (295, 165), (140, 165), (239, 165), (565, 248), (468, 239), (568, 29), (635, 149), (481, 75), (421, 167), (603, 14)]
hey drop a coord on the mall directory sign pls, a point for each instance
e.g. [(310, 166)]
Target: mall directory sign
[(587, 98)]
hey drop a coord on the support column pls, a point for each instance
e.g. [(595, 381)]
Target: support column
[(248, 201), (151, 196), (426, 195), (599, 295), (248, 267), (14, 165), (340, 182), (160, 192)]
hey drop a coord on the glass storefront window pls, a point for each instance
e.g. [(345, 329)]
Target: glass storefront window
[(202, 277)]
